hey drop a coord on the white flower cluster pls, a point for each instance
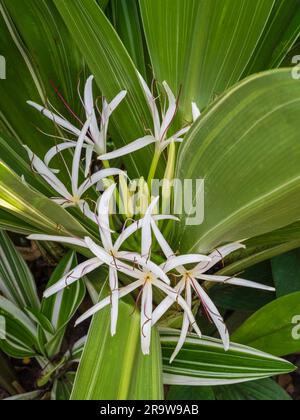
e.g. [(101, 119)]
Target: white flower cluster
[(138, 267)]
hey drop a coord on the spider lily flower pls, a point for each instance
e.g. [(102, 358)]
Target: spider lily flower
[(190, 282), (95, 139), (160, 127), (74, 198), (147, 278)]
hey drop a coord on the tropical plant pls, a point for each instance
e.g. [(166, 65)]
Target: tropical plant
[(136, 100)]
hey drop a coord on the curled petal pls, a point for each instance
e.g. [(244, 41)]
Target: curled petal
[(146, 314), (48, 175), (218, 255), (234, 281), (213, 313), (74, 275), (62, 239), (176, 262), (130, 148), (152, 106), (105, 302)]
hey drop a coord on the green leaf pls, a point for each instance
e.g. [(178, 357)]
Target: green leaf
[(263, 390), (125, 16), (281, 32), (20, 332), (36, 45), (271, 328), (203, 362), (286, 273), (245, 148), (60, 308), (34, 208), (114, 71), (28, 396), (203, 46), (8, 379), (62, 387), (188, 393), (113, 368), (16, 281)]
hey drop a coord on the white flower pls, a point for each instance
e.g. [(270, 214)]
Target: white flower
[(95, 139), (190, 282), (74, 198), (161, 127), (149, 275)]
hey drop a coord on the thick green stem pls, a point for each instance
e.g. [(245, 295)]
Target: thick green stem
[(153, 167)]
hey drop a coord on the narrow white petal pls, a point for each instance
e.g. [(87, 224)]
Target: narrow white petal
[(114, 285), (183, 260), (61, 239), (116, 101), (235, 281), (166, 304), (181, 132), (171, 111), (90, 109), (213, 313), (175, 296), (74, 275), (185, 323), (146, 229), (130, 230), (88, 159), (130, 148), (48, 175), (146, 315), (55, 150), (196, 111), (103, 217), (96, 177), (105, 302), (77, 158), (167, 250), (53, 117), (85, 209), (218, 255), (152, 106)]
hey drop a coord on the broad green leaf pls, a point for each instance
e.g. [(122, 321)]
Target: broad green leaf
[(186, 393), (34, 208), (16, 281), (286, 273), (114, 71), (14, 224), (263, 390), (113, 368), (60, 308), (203, 362), (202, 46), (274, 327), (20, 332), (245, 148)]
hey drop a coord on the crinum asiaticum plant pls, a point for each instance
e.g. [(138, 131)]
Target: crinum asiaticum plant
[(89, 151)]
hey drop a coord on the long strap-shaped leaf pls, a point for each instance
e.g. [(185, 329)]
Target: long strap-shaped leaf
[(16, 281), (114, 71), (203, 362), (205, 46), (34, 208), (113, 368), (246, 148)]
